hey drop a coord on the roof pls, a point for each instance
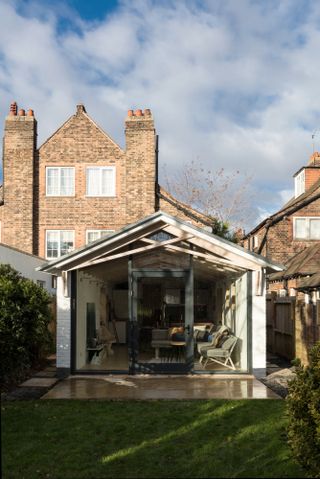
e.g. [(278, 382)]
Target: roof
[(312, 194), (80, 111), (311, 282), (304, 263), (185, 238), (3, 245), (185, 208)]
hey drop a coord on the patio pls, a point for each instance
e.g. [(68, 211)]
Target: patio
[(160, 387)]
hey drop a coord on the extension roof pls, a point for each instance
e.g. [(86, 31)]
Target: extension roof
[(207, 249), (305, 263)]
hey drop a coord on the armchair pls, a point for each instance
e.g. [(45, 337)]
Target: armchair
[(221, 355)]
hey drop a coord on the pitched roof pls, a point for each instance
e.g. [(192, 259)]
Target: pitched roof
[(312, 194), (221, 251), (311, 282), (185, 208), (80, 111), (304, 263)]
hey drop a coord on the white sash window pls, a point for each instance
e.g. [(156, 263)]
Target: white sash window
[(93, 235), (101, 181), (58, 243), (60, 181), (307, 228)]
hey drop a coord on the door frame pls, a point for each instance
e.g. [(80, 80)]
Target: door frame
[(136, 367)]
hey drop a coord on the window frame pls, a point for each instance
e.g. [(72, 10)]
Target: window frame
[(95, 231), (59, 242), (300, 184), (308, 227), (59, 168), (100, 169)]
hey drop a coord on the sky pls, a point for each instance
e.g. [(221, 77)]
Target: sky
[(231, 83)]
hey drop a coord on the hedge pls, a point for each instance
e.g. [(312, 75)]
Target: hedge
[(303, 408), (24, 318)]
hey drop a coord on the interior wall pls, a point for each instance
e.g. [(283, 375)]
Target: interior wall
[(88, 291)]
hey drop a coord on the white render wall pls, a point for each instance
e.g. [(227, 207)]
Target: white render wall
[(259, 326), (26, 264), (63, 326), (242, 318)]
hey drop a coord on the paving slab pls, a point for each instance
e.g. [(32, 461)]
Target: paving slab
[(159, 387), (24, 394), (45, 374), (39, 382)]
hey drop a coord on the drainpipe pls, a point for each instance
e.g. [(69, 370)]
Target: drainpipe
[(157, 189)]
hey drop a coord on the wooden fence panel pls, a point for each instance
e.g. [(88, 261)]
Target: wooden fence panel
[(281, 326)]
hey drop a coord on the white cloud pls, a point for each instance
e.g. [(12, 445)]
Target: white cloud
[(234, 83)]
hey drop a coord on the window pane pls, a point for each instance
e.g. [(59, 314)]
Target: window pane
[(107, 182), (52, 244), (93, 236), (67, 182), (300, 228), (315, 229), (93, 181), (66, 242), (53, 181), (106, 233)]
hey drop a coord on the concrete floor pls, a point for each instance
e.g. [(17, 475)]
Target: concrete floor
[(160, 387)]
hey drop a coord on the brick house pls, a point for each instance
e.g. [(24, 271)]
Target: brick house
[(295, 226), (139, 274), (79, 184), (291, 236)]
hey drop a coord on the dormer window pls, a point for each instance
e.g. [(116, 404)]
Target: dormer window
[(299, 183)]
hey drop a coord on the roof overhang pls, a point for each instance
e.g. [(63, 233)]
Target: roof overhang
[(184, 238)]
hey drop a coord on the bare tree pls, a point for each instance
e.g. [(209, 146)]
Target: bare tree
[(219, 194)]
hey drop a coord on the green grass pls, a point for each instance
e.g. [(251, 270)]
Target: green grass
[(160, 439)]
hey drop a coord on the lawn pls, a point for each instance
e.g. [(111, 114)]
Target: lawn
[(160, 439)]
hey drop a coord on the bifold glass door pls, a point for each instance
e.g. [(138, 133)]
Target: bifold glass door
[(161, 323)]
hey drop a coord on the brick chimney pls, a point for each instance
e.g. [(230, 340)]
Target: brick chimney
[(140, 164), (19, 151)]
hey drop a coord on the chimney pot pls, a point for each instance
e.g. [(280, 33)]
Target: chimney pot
[(81, 108), (13, 108), (147, 112), (138, 113), (30, 113), (130, 113), (21, 112)]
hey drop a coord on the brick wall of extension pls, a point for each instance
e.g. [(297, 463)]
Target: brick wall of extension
[(28, 212)]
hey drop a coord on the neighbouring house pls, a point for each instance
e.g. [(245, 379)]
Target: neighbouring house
[(297, 269), (79, 185), (291, 236), (26, 264), (296, 225), (151, 297)]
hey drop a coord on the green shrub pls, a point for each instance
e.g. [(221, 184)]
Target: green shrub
[(24, 319), (303, 406)]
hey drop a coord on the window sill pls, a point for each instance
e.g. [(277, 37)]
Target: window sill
[(100, 196)]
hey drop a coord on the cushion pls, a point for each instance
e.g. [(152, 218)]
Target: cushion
[(203, 336)]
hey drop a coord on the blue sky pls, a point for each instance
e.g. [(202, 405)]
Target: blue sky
[(231, 83)]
